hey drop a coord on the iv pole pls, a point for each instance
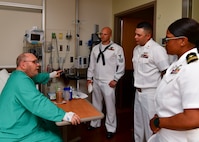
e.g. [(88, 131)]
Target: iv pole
[(77, 37)]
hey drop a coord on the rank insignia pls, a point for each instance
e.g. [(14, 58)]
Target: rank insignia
[(111, 48), (175, 70), (145, 55), (191, 57)]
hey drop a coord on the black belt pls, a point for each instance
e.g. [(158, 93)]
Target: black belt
[(145, 89)]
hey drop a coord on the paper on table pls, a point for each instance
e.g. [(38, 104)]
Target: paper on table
[(77, 94)]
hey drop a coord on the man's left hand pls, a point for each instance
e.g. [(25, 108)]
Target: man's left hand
[(113, 83)]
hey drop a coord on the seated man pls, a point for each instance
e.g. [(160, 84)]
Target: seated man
[(24, 109)]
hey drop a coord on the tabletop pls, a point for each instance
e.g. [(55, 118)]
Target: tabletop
[(81, 107)]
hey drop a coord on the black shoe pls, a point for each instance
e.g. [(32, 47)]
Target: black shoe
[(109, 135), (90, 128)]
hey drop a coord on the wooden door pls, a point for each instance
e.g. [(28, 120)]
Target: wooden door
[(128, 41)]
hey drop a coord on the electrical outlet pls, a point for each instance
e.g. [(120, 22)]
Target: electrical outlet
[(67, 47), (71, 59), (60, 47), (80, 42)]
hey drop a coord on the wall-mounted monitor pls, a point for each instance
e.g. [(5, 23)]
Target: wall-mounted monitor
[(34, 36)]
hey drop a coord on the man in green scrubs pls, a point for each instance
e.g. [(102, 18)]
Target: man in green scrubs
[(24, 108)]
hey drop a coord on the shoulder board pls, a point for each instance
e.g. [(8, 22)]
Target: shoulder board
[(191, 57)]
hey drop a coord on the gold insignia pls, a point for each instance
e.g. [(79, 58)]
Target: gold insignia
[(191, 57)]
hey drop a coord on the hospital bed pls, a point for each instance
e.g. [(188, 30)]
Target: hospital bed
[(4, 74)]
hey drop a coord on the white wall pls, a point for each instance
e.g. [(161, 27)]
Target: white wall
[(167, 12), (195, 9), (60, 18), (13, 25), (121, 6)]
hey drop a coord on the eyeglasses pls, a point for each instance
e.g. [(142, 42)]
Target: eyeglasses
[(166, 39), (34, 61)]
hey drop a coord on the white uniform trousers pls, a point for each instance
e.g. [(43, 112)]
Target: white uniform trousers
[(102, 90), (144, 110), (166, 135)]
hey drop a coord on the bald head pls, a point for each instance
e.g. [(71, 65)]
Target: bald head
[(107, 29), (28, 63), (105, 35), (22, 57)]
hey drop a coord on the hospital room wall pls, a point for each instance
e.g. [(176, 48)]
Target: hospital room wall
[(13, 23), (65, 16), (60, 18), (195, 9), (166, 11)]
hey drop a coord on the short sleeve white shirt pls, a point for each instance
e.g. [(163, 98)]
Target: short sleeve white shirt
[(177, 91), (148, 62)]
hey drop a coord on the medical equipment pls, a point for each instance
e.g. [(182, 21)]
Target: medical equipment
[(33, 42), (34, 35)]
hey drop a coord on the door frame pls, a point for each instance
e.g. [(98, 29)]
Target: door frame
[(144, 12), (118, 17), (125, 89)]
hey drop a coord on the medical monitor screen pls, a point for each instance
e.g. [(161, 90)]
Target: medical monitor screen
[(35, 37)]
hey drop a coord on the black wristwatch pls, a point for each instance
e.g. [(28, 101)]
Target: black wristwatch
[(157, 122)]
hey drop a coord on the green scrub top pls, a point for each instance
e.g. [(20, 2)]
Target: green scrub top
[(22, 107)]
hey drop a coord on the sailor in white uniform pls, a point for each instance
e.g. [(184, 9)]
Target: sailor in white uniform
[(107, 65), (177, 96), (150, 61)]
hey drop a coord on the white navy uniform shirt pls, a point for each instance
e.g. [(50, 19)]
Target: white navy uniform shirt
[(114, 63), (177, 91), (148, 62)]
